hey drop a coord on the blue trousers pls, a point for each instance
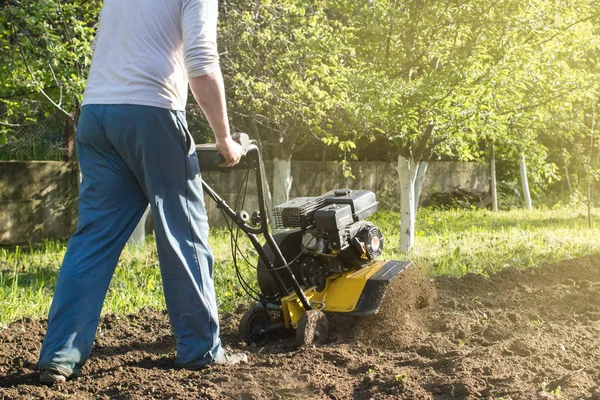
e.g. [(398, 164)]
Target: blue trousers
[(131, 156)]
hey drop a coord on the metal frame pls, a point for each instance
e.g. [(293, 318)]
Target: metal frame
[(253, 160)]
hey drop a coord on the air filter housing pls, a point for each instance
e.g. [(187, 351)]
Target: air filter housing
[(297, 213)]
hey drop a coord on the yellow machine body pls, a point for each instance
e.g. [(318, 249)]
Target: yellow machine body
[(357, 291)]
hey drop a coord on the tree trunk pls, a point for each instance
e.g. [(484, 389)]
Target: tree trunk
[(282, 180), (69, 137), (589, 206), (138, 237), (588, 173), (524, 182), (407, 172), (568, 179), (493, 187), (421, 171), (266, 191)]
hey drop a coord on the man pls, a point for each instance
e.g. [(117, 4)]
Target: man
[(134, 147)]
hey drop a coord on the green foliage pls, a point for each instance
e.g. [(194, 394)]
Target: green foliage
[(46, 49), (284, 68), (419, 64), (28, 277), (505, 71), (559, 85), (364, 77)]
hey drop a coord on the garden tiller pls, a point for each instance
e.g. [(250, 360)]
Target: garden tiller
[(325, 257)]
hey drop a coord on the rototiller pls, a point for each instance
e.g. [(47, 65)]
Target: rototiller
[(326, 259)]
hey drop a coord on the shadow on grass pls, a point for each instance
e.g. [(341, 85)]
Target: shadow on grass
[(36, 247), (39, 278)]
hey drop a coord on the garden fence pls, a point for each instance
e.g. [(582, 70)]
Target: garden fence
[(41, 139)]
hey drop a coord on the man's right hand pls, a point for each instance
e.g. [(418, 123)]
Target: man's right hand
[(230, 150)]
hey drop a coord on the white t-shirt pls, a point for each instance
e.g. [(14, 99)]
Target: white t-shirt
[(145, 50)]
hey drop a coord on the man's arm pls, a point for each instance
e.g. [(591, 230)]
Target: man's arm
[(209, 92), (199, 25)]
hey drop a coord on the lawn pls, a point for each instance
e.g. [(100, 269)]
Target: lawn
[(452, 242)]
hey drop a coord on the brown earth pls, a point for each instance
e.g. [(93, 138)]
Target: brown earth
[(531, 334)]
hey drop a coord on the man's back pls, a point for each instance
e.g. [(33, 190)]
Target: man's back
[(145, 50)]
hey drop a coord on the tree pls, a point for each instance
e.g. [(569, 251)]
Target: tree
[(48, 47), (46, 51), (464, 68), (572, 124), (421, 74), (284, 66), (538, 99)]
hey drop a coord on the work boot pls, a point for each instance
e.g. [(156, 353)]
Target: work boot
[(227, 358), (50, 377)]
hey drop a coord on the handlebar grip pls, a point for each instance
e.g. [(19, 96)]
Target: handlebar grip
[(242, 139), (218, 159)]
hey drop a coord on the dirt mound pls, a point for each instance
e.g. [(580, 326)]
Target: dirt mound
[(531, 334), (401, 319)]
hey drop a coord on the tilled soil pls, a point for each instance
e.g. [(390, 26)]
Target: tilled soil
[(532, 334)]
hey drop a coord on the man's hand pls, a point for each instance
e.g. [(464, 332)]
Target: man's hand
[(230, 150)]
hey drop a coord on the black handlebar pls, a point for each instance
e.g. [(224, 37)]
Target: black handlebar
[(218, 159), (209, 160), (209, 157)]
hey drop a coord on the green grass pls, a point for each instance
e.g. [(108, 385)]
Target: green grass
[(447, 243), (457, 242), (28, 276)]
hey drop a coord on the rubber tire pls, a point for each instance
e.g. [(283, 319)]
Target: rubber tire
[(252, 322), (313, 329)]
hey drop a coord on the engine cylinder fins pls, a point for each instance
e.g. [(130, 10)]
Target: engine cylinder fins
[(296, 213)]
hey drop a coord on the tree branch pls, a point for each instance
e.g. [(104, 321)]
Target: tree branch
[(422, 147), (542, 103), (9, 124), (37, 85), (568, 27)]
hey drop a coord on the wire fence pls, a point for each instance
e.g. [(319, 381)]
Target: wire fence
[(44, 139)]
